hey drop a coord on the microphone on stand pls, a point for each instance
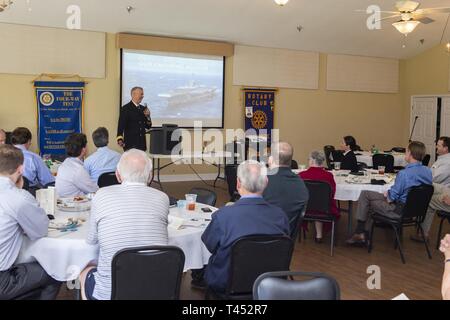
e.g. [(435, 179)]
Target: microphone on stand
[(412, 130)]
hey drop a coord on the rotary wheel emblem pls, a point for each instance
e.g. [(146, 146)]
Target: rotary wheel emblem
[(47, 99), (259, 120)]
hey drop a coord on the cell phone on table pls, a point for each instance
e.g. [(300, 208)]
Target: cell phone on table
[(206, 210)]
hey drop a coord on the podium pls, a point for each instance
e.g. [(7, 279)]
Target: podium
[(161, 139)]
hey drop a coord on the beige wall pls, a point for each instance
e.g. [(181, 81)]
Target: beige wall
[(425, 74), (308, 119)]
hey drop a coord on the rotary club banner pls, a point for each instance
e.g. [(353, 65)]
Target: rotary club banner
[(259, 110), (60, 113)]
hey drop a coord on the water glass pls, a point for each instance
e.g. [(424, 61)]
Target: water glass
[(337, 166), (190, 201)]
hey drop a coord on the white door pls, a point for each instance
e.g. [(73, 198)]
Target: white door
[(445, 117), (425, 109)]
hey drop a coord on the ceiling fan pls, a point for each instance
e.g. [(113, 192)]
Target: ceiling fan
[(411, 16)]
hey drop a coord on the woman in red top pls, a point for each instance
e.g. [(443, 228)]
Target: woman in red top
[(317, 172)]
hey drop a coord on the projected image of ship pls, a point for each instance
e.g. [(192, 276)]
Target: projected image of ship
[(189, 94)]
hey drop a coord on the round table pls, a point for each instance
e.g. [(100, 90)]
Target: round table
[(350, 192), (63, 255), (366, 157)]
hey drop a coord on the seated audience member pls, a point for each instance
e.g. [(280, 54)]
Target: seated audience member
[(441, 184), (317, 172), (250, 215), (391, 203), (441, 168), (129, 214), (285, 189), (35, 169), (445, 249), (20, 217), (349, 161), (73, 179), (2, 136), (104, 159)]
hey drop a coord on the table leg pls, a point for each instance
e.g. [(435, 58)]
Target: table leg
[(153, 172), (350, 217), (218, 174), (159, 169)]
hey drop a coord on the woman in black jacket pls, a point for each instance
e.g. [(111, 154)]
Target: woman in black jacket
[(349, 161)]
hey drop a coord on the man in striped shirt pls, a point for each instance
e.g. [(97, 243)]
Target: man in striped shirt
[(124, 216)]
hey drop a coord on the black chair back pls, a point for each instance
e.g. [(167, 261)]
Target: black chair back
[(426, 160), (278, 286), (59, 157), (417, 202), (294, 165), (399, 149), (250, 258), (338, 155), (295, 222), (107, 179), (147, 273), (327, 150), (231, 177), (383, 159), (205, 196), (8, 135), (319, 196)]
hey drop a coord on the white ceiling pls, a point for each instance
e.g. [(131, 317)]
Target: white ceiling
[(330, 26)]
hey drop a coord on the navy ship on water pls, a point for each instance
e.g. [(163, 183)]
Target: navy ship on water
[(188, 94)]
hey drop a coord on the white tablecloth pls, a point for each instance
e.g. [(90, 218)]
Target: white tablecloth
[(63, 255), (366, 157), (350, 191)]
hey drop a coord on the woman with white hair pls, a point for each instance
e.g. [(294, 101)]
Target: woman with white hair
[(317, 172)]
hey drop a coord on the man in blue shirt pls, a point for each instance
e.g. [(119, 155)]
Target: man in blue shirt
[(104, 159), (35, 169), (390, 204), (250, 215)]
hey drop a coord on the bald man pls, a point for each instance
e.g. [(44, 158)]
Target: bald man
[(285, 189), (2, 136), (138, 211)]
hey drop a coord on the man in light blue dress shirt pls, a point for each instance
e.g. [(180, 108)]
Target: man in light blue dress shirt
[(73, 179), (391, 203), (104, 159), (20, 217), (35, 169)]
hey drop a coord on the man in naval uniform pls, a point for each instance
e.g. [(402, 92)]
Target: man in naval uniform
[(134, 120)]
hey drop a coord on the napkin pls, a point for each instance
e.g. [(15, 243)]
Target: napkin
[(47, 199), (175, 222), (401, 296)]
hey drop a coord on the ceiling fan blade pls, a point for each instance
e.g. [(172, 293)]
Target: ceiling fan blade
[(407, 6), (365, 11), (389, 17), (423, 19), (433, 10)]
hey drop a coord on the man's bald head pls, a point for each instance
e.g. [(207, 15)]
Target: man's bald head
[(134, 166), (281, 154), (2, 136)]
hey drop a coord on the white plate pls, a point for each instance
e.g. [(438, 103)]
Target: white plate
[(69, 204)]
